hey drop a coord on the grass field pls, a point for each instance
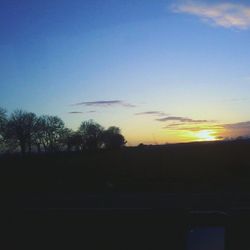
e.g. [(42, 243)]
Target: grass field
[(192, 167)]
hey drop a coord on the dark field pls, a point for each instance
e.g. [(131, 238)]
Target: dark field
[(194, 167), (134, 198)]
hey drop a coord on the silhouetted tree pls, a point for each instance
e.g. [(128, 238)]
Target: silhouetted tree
[(20, 128), (112, 138), (49, 131), (91, 133), (3, 123), (39, 133), (71, 139), (65, 138), (113, 130), (75, 141), (24, 130)]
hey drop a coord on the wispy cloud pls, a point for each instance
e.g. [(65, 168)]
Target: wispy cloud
[(224, 130), (106, 103), (227, 15), (181, 119), (233, 130), (238, 126), (221, 130), (156, 113), (237, 99), (75, 112), (183, 126), (80, 112)]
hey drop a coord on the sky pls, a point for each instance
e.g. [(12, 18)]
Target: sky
[(162, 71)]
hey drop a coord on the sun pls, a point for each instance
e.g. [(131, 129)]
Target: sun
[(206, 135)]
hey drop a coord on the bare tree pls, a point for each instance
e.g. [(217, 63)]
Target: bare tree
[(72, 140), (3, 123), (91, 133), (24, 130), (49, 131), (76, 141), (39, 133), (20, 128)]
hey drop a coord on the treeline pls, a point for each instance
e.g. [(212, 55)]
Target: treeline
[(26, 132)]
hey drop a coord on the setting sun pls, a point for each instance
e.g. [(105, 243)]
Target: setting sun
[(206, 135)]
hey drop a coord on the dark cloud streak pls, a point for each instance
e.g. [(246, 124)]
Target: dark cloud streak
[(237, 100), (181, 119), (75, 112), (106, 103), (157, 113)]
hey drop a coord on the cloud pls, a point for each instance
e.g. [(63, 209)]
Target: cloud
[(197, 128), (174, 125), (157, 113), (233, 130), (238, 126), (191, 127), (75, 112), (105, 103), (230, 130), (225, 130), (79, 112), (181, 119), (237, 99), (220, 137), (227, 15)]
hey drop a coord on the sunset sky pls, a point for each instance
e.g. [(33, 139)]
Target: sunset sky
[(163, 71)]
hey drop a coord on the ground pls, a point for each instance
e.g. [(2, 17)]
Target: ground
[(194, 167)]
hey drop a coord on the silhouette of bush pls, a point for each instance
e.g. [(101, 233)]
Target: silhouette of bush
[(112, 138)]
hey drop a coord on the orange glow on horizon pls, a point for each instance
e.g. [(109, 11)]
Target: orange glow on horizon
[(179, 134)]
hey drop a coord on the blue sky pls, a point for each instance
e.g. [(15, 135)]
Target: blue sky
[(185, 59)]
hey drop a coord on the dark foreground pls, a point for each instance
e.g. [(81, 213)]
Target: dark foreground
[(125, 220), (200, 167), (136, 198)]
